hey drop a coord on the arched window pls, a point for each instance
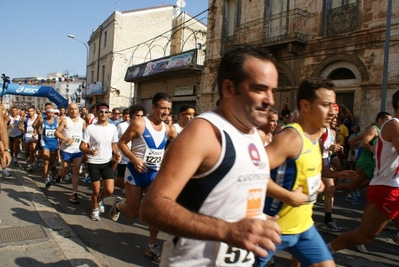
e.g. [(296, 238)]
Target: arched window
[(342, 74), (283, 81)]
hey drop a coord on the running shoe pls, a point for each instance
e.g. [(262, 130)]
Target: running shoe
[(95, 215), (30, 167), (15, 161), (101, 207), (362, 249), (5, 174), (74, 198), (47, 183), (331, 226), (349, 197), (355, 200), (153, 252), (395, 238), (270, 262), (114, 212)]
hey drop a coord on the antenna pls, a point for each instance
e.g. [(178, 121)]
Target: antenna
[(180, 3)]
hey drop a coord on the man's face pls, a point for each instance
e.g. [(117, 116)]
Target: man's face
[(321, 109), (161, 110), (380, 122), (84, 110), (14, 112), (254, 96), (31, 112), (73, 110), (126, 117), (102, 115), (169, 120), (286, 119), (115, 114), (272, 121), (22, 113), (175, 118), (187, 116), (138, 114), (62, 111)]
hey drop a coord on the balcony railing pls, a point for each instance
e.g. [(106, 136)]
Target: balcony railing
[(342, 19), (279, 28)]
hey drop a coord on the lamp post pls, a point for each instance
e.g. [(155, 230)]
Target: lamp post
[(87, 56)]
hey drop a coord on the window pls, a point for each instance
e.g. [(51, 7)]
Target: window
[(340, 16), (231, 10), (94, 48), (342, 74), (105, 38), (103, 74), (275, 24)]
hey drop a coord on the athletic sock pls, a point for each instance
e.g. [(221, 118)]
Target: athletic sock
[(327, 217)]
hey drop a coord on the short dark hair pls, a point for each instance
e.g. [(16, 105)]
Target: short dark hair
[(185, 107), (114, 109), (99, 104), (307, 89), (136, 108), (395, 100), (382, 115), (126, 111), (231, 66), (161, 96)]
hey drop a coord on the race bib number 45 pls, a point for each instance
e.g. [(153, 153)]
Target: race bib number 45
[(232, 256)]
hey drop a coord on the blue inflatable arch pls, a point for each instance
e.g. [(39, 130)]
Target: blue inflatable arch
[(32, 90)]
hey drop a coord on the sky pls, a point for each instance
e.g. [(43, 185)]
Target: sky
[(35, 41)]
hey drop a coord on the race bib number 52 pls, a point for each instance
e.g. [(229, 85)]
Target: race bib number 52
[(232, 256)]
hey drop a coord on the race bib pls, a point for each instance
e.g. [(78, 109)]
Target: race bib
[(313, 185), (153, 156), (50, 133), (232, 256), (76, 139), (29, 130)]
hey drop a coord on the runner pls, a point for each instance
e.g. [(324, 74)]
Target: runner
[(70, 131), (212, 203), (15, 133), (30, 137)]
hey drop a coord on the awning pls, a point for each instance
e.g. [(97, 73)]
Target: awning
[(184, 98)]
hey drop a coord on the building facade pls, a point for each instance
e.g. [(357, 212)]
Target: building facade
[(127, 39), (341, 40)]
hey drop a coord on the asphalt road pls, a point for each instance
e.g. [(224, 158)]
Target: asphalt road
[(122, 243)]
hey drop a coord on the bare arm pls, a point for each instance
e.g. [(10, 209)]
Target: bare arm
[(369, 135), (4, 139), (293, 198), (161, 211), (135, 130), (58, 132), (390, 133)]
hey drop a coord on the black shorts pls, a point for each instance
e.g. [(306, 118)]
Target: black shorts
[(13, 138), (97, 171), (121, 170)]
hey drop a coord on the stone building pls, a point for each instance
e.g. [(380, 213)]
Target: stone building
[(341, 40), (178, 71), (131, 38)]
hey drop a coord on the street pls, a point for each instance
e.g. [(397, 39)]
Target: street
[(122, 243)]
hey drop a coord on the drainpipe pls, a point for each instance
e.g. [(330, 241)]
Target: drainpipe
[(386, 58)]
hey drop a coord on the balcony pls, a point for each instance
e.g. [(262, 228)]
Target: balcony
[(285, 27), (342, 19)]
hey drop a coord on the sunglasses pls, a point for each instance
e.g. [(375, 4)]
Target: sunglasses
[(117, 113), (103, 111)]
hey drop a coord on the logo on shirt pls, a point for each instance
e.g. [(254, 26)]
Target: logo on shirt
[(254, 154)]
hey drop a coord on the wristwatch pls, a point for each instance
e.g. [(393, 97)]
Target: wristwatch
[(8, 150)]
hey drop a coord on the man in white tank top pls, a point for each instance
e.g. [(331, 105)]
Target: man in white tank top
[(69, 132), (30, 137), (148, 136), (15, 130), (383, 191), (212, 203)]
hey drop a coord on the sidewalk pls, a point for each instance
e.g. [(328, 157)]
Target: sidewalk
[(32, 232)]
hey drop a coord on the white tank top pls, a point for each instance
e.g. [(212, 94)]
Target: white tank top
[(327, 143), (178, 128), (29, 127), (235, 188), (387, 162), (73, 130)]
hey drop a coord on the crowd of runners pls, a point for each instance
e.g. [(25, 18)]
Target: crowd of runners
[(239, 193)]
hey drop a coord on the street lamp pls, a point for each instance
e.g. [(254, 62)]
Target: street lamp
[(87, 54)]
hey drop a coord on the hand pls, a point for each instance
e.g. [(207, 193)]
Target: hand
[(254, 235), (69, 141), (94, 152), (348, 174), (321, 188), (6, 157), (336, 147), (298, 198), (140, 166)]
